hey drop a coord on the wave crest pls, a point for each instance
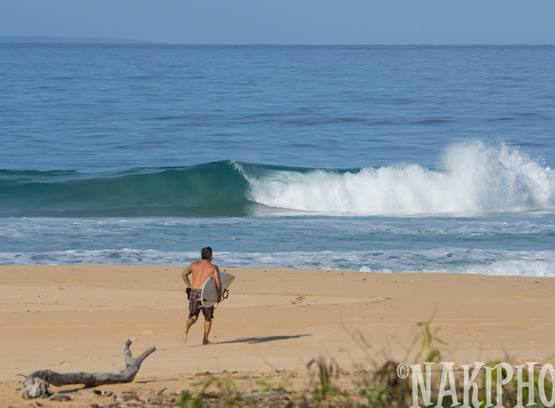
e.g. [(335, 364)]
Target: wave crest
[(210, 189)]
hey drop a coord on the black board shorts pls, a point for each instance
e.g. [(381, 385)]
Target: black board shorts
[(195, 305)]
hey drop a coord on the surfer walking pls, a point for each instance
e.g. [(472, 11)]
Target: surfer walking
[(201, 270)]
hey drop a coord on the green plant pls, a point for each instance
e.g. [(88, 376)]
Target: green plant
[(385, 389), (264, 384), (326, 372), (225, 389), (188, 401), (427, 348)]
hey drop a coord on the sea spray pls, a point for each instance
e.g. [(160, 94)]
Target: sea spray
[(473, 178)]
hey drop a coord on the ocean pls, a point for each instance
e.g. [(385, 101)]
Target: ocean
[(368, 158)]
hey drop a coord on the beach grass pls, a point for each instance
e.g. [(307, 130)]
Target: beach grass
[(370, 384)]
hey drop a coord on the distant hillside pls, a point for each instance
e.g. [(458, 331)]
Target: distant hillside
[(66, 40)]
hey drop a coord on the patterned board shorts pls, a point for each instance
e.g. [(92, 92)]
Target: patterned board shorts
[(195, 306)]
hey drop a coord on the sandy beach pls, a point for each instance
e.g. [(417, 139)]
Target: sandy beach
[(75, 318)]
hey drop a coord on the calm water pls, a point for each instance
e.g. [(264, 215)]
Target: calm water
[(368, 158)]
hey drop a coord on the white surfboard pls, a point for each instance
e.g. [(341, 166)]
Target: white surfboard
[(209, 294)]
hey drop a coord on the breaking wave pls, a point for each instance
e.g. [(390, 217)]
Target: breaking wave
[(472, 178)]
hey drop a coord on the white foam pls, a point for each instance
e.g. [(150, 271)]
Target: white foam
[(444, 260), (474, 178), (516, 267)]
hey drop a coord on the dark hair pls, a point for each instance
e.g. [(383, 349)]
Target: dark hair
[(206, 253)]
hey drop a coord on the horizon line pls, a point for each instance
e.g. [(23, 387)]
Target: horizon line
[(130, 43), (48, 39)]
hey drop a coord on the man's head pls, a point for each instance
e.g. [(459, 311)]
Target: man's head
[(206, 253)]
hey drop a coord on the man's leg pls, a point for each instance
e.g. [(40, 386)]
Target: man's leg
[(207, 327), (190, 321), (208, 314)]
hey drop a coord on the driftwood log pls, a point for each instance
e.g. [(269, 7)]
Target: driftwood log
[(36, 384)]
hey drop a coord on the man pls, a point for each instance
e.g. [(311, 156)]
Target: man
[(201, 271)]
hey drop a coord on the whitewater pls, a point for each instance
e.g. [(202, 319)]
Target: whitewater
[(474, 178)]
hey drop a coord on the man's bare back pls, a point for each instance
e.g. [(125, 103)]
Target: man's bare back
[(201, 271)]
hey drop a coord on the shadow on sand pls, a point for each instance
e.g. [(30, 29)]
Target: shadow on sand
[(254, 340)]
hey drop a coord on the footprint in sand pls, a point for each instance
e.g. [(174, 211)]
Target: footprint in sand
[(298, 299)]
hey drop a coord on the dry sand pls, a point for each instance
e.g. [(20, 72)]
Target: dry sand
[(75, 318)]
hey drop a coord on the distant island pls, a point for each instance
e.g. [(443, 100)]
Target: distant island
[(67, 40)]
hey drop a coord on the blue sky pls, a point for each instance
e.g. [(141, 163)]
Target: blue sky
[(286, 21)]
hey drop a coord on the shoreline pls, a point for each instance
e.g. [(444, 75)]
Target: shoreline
[(76, 317)]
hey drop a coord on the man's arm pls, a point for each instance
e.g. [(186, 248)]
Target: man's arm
[(218, 283), (185, 276)]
